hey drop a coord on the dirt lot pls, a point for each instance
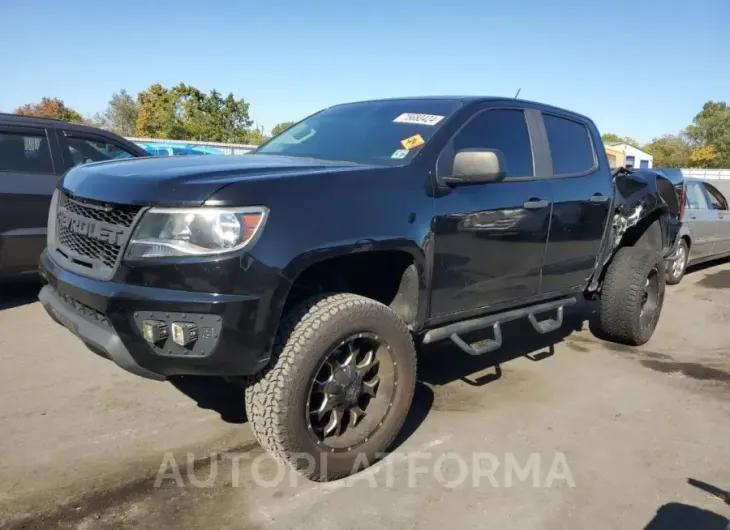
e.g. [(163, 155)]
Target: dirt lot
[(556, 433)]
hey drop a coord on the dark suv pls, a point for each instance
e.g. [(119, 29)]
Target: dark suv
[(34, 153)]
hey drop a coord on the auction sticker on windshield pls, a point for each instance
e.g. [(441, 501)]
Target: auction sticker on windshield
[(418, 119), (412, 141)]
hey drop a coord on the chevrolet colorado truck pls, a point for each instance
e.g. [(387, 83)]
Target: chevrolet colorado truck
[(310, 269)]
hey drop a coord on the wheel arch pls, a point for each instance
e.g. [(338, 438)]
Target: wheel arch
[(392, 272)]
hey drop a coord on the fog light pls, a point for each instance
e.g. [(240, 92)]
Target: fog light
[(183, 333), (154, 331)]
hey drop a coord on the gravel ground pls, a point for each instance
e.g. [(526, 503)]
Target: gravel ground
[(556, 432)]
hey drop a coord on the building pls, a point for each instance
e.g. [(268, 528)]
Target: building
[(622, 154)]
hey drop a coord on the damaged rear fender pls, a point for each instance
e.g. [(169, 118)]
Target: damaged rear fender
[(641, 200)]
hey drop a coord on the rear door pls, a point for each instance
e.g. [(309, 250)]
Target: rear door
[(28, 176), (719, 207), (582, 191), (702, 221)]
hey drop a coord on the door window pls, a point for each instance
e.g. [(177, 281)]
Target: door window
[(570, 146), (501, 129), (83, 151), (25, 152), (716, 198), (696, 198)]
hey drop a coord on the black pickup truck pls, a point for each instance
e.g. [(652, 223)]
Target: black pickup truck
[(310, 269)]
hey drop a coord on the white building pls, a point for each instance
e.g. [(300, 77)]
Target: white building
[(631, 156)]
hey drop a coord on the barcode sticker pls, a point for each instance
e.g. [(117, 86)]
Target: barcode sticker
[(418, 119)]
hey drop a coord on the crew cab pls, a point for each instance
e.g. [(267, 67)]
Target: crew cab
[(310, 269), (34, 153)]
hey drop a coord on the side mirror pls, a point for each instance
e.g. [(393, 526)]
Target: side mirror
[(477, 166)]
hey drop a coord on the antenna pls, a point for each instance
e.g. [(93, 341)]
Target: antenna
[(518, 92)]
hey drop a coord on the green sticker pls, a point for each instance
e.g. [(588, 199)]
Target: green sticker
[(400, 153)]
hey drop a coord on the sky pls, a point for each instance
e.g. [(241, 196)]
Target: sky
[(639, 68)]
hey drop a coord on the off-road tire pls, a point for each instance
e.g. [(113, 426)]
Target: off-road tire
[(622, 292), (674, 279), (276, 398)]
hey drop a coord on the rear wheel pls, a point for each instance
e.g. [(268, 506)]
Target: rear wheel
[(678, 266), (632, 296), (339, 387)]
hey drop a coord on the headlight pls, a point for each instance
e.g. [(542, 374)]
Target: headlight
[(172, 232)]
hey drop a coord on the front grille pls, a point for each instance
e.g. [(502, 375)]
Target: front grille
[(116, 214), (85, 247), (94, 235)]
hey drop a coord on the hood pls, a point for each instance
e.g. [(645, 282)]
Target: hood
[(182, 180)]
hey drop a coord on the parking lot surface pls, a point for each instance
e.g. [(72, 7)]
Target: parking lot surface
[(554, 432)]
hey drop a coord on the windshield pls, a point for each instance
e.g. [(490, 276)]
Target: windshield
[(376, 132)]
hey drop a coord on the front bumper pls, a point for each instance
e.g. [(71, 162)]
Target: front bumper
[(106, 316)]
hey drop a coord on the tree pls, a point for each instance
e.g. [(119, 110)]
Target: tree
[(615, 138), (157, 114), (704, 156), (281, 127), (50, 108), (120, 116), (670, 150), (610, 138), (711, 127), (184, 112)]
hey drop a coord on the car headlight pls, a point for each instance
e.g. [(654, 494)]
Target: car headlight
[(174, 232)]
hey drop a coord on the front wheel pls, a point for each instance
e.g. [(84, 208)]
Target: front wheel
[(339, 388), (632, 296)]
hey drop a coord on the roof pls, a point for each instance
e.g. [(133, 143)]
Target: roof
[(37, 120), (469, 100)]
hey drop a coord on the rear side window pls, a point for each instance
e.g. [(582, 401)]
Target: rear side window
[(25, 152), (83, 151), (501, 129), (696, 198), (570, 145), (716, 198)]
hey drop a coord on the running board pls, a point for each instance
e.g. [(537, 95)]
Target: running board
[(453, 331)]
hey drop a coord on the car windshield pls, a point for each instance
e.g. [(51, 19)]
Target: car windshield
[(376, 132)]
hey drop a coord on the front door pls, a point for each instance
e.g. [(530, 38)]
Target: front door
[(702, 221), (489, 239)]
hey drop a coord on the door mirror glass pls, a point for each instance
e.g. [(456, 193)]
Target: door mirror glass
[(476, 166)]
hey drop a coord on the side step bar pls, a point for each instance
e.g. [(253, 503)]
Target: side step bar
[(453, 331)]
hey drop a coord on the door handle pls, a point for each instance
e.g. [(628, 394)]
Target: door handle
[(693, 217), (598, 198), (536, 204)]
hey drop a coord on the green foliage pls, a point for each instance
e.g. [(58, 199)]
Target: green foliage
[(704, 156), (281, 127), (50, 108), (615, 138), (711, 128), (185, 113), (670, 150), (120, 115)]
